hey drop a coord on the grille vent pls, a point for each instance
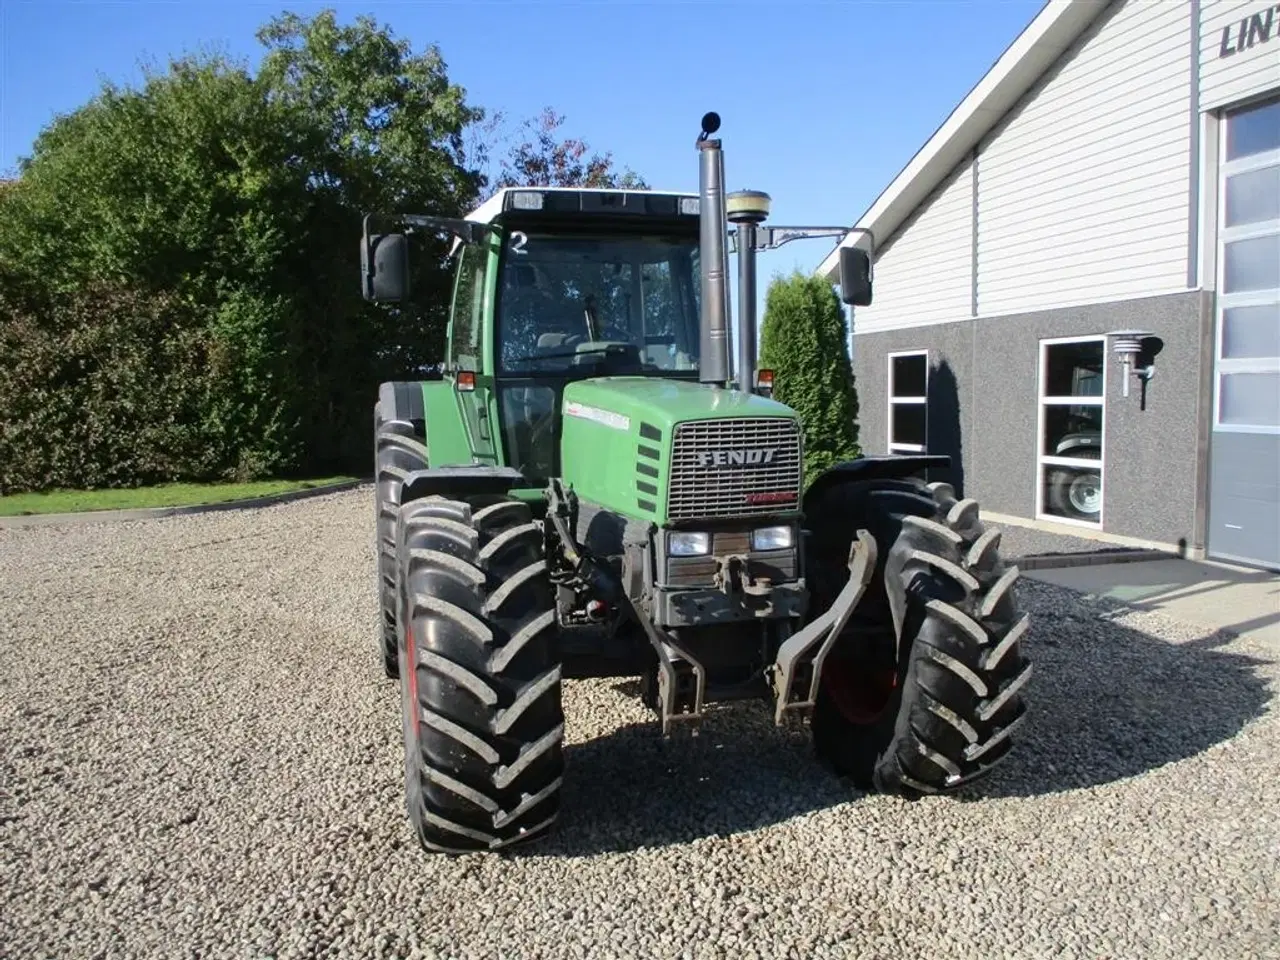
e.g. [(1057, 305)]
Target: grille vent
[(734, 468)]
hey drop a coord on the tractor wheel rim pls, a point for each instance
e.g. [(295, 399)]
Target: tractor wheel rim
[(1085, 494), (859, 694)]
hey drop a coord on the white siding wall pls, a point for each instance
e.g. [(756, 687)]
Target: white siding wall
[(924, 275), (1241, 73), (1083, 191)]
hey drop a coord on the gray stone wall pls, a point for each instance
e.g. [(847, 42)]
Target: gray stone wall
[(983, 381)]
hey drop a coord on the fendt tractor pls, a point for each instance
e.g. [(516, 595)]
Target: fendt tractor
[(585, 491)]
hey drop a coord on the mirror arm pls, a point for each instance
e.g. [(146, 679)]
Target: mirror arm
[(468, 231), (770, 238)]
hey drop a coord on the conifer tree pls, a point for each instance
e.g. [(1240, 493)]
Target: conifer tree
[(802, 341)]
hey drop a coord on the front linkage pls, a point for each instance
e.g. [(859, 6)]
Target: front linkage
[(682, 680), (796, 671)]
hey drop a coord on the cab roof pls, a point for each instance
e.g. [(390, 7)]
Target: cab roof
[(491, 209)]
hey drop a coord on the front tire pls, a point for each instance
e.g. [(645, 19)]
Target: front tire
[(480, 668), (940, 715)]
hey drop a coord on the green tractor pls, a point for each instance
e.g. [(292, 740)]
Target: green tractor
[(585, 491)]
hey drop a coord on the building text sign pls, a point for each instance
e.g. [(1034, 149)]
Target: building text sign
[(1250, 31)]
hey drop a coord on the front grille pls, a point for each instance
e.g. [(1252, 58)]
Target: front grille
[(719, 468)]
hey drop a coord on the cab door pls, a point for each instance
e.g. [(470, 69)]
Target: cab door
[(472, 294)]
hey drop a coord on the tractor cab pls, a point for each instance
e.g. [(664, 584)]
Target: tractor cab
[(588, 284), (564, 284)]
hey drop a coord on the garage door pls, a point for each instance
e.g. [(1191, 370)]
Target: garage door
[(1244, 460)]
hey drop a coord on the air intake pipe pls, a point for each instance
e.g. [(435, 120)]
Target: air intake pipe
[(747, 209)]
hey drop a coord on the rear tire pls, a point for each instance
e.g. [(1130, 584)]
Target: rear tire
[(399, 448), (941, 717), (480, 668)]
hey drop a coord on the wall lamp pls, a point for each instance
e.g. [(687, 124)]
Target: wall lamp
[(1137, 350)]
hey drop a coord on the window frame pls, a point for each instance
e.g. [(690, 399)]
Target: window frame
[(1225, 301), (893, 400), (1047, 460)]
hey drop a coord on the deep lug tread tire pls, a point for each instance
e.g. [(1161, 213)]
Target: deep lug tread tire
[(961, 674), (399, 448), (480, 668)]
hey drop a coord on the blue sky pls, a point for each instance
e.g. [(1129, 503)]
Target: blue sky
[(822, 102)]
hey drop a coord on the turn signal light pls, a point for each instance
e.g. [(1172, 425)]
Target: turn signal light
[(764, 381), (466, 381)]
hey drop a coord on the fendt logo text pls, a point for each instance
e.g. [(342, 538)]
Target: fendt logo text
[(736, 458)]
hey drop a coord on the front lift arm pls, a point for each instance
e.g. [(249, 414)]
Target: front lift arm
[(797, 669)]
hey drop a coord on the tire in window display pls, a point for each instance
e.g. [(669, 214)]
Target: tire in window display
[(1076, 492)]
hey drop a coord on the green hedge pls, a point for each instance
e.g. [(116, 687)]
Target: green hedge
[(179, 263)]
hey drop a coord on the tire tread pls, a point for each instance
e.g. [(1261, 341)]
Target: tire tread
[(399, 448), (484, 746), (961, 668)]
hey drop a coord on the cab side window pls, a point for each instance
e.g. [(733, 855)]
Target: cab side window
[(468, 306)]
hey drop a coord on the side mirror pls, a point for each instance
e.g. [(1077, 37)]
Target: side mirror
[(388, 276), (855, 276)]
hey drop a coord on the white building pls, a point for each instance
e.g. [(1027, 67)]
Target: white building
[(1117, 169)]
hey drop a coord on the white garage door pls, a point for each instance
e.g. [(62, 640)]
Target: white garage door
[(1244, 464)]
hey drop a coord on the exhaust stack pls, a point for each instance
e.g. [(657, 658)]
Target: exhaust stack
[(714, 257)]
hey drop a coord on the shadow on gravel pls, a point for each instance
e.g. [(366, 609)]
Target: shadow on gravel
[(631, 789), (1107, 703)]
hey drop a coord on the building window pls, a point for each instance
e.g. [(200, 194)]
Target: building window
[(1247, 380), (1069, 462), (908, 410)]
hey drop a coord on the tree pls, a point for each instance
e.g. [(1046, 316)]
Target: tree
[(803, 340), (239, 198), (217, 209), (542, 159)]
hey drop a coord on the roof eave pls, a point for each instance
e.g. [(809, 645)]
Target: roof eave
[(1037, 48)]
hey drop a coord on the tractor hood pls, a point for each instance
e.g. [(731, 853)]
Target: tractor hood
[(625, 446), (664, 403)]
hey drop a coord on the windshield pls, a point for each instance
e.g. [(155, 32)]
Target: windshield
[(582, 303)]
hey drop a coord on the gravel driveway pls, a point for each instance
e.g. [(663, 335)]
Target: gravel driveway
[(199, 757)]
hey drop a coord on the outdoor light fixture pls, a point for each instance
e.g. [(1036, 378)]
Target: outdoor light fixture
[(1137, 351)]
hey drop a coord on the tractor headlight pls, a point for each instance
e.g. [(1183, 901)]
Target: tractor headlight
[(684, 544), (771, 538)]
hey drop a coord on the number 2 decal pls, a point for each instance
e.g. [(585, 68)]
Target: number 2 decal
[(518, 240)]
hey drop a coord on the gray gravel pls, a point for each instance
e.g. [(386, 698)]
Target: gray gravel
[(198, 757)]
